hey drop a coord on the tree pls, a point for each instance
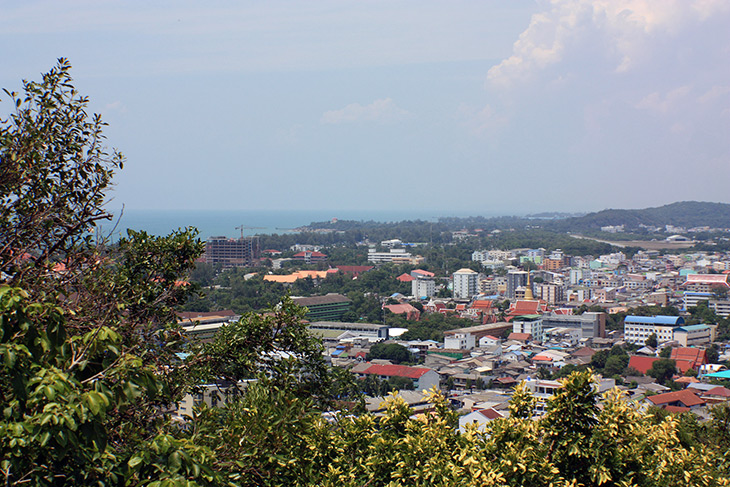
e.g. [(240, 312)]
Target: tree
[(88, 333), (651, 341), (662, 370), (394, 352)]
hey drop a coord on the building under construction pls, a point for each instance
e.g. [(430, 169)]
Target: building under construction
[(230, 252)]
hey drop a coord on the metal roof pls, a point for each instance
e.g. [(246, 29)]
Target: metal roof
[(655, 320)]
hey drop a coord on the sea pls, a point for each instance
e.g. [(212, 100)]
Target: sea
[(228, 223)]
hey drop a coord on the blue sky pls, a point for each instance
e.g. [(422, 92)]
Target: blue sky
[(476, 107)]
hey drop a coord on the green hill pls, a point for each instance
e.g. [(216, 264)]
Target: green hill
[(683, 214)]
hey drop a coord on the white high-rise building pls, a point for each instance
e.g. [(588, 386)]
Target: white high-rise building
[(423, 287), (466, 284)]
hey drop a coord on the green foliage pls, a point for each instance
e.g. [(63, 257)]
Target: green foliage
[(276, 344), (394, 352), (662, 370)]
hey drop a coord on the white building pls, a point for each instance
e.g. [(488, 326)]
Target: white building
[(459, 341), (394, 255), (638, 328), (530, 326), (423, 287), (466, 283)]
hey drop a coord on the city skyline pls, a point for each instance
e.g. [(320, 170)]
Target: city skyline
[(489, 107)]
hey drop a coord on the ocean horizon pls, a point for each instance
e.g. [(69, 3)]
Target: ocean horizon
[(211, 223)]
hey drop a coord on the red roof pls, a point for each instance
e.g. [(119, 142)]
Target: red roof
[(522, 307), (421, 272), (397, 371), (642, 364), (406, 278), (684, 397), (584, 352), (314, 253), (490, 413), (519, 336), (677, 409), (482, 304), (694, 355), (686, 380), (718, 391)]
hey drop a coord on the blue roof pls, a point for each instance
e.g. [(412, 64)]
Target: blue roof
[(656, 320), (725, 374), (695, 293)]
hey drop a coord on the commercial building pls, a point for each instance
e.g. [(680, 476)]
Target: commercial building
[(515, 279), (693, 335), (591, 325), (529, 325), (230, 252), (330, 307), (638, 328), (466, 284), (333, 329), (423, 287), (397, 256)]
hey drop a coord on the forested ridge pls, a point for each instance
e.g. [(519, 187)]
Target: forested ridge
[(92, 363)]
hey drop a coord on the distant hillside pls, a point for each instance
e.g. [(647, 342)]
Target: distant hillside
[(682, 214)]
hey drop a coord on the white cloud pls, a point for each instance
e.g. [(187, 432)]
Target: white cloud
[(622, 30), (663, 103), (383, 110), (714, 93), (116, 106)]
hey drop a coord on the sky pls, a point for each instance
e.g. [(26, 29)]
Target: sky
[(476, 107)]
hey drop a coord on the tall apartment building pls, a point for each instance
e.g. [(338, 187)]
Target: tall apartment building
[(230, 252), (515, 279), (466, 283), (423, 287), (551, 293)]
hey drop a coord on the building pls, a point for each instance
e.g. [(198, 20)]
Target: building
[(423, 287), (466, 284), (693, 335), (515, 279), (229, 252), (310, 256), (480, 418), (551, 293), (204, 325), (638, 328), (479, 331), (422, 377), (330, 307), (591, 325), (459, 341), (529, 325), (706, 283), (333, 329), (397, 256)]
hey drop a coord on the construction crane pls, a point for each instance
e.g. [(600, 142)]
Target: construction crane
[(244, 227)]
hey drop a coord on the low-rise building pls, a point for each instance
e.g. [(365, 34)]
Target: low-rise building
[(638, 328)]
